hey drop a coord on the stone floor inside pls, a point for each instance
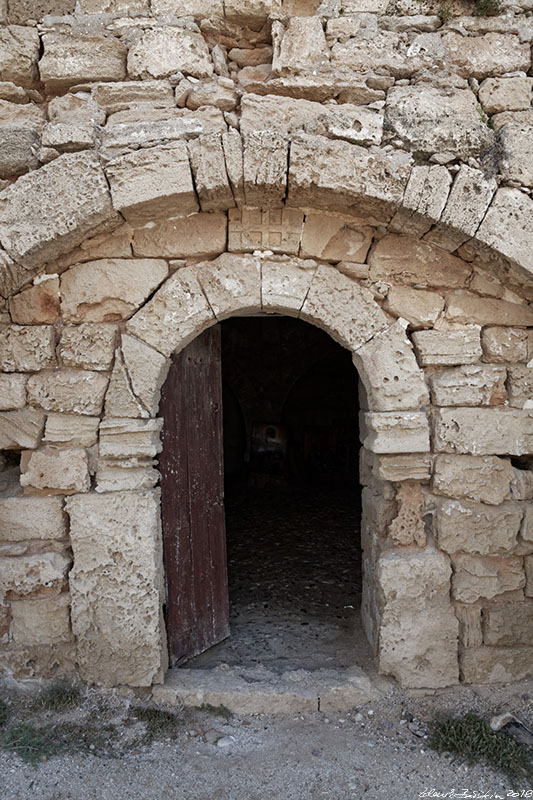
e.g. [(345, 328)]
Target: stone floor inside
[(294, 567)]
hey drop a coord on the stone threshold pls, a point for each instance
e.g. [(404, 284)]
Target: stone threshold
[(257, 690)]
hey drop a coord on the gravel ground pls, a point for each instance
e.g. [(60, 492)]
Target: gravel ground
[(369, 752)]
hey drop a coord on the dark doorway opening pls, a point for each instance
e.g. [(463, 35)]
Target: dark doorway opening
[(292, 498)]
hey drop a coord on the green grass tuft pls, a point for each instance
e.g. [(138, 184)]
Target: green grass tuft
[(4, 713), (470, 739), (59, 696), (159, 724), (217, 711), (30, 743)]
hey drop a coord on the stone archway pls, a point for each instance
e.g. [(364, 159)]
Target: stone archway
[(404, 588)]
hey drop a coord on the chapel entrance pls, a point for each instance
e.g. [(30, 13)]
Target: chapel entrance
[(276, 473)]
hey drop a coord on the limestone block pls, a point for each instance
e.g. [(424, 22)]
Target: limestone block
[(287, 115), (12, 276), (77, 391), (486, 56), (232, 284), (486, 479), (116, 604), (125, 474), (175, 315), (130, 438), (218, 92), (41, 574), (152, 184), (27, 518), (275, 229), (265, 156), (467, 204), (338, 176), (447, 347), (197, 236), (300, 47), (496, 664), (68, 137), (483, 431), (120, 401), (408, 528), (470, 385), (508, 624), (26, 348), (342, 308), (505, 94), (430, 120), (464, 526), (232, 145), (70, 60), (37, 305), (19, 54), (55, 471), (209, 169), (418, 631), (423, 202), (520, 386), (402, 468), (20, 429), (42, 621), (285, 285), (384, 53), (18, 149), (118, 96), (526, 530), (163, 51), (253, 12), (175, 124), (333, 237), (420, 308), (522, 484), (114, 6), (206, 9), (390, 373), (528, 564), (470, 633), (74, 109), (109, 289), (40, 661), (72, 430), (51, 210), (485, 577), (504, 345), (89, 345), (21, 114), (467, 309), (404, 260), (516, 163), (12, 391), (508, 227), (147, 370), (397, 432)]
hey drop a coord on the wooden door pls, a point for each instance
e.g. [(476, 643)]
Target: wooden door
[(191, 465)]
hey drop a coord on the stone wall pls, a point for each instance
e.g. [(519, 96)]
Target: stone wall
[(361, 166)]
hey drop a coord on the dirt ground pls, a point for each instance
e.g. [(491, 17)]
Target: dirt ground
[(374, 751)]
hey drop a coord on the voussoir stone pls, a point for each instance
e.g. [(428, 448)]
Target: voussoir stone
[(70, 60), (152, 183), (106, 591), (232, 284), (285, 284), (341, 307), (390, 372), (109, 289), (508, 227), (164, 51), (51, 210)]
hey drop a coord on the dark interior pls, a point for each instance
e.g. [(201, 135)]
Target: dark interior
[(292, 497)]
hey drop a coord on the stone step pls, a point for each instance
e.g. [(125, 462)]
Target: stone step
[(258, 690)]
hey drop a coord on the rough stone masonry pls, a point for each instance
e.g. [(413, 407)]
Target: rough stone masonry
[(364, 165)]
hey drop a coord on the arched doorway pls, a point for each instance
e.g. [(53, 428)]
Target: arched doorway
[(290, 445)]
